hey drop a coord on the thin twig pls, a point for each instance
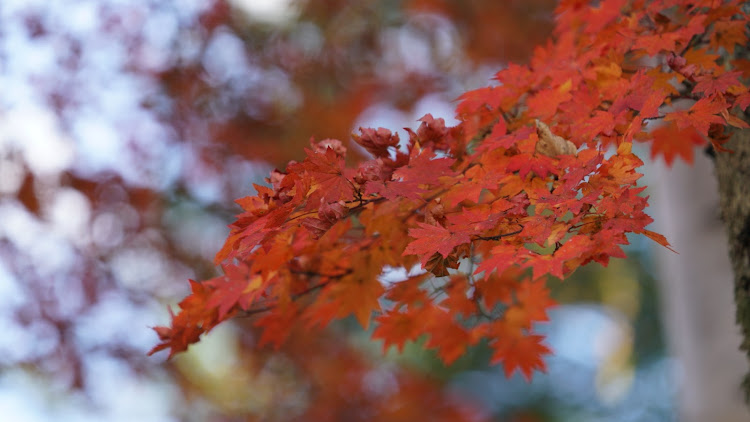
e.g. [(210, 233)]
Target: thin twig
[(499, 236), (250, 312)]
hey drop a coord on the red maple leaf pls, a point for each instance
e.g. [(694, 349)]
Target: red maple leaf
[(472, 101), (328, 171), (432, 132), (540, 164), (430, 239), (544, 103), (517, 351), (533, 298), (600, 122), (712, 85), (424, 167), (349, 296), (396, 328), (554, 264), (700, 116), (503, 256), (446, 335), (395, 189), (670, 141), (377, 142)]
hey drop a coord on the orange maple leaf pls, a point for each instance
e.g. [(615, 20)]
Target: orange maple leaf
[(516, 350), (670, 141)]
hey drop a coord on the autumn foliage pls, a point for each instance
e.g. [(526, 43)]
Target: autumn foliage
[(537, 179)]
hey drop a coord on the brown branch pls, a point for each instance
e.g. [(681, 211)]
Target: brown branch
[(483, 312), (266, 308), (251, 312), (316, 274), (499, 236)]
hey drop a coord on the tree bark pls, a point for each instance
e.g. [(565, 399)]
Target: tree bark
[(733, 172)]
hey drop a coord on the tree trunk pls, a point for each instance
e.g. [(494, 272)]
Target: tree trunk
[(733, 172), (697, 293)]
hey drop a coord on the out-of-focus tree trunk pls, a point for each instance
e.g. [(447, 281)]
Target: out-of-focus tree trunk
[(733, 172), (698, 305)]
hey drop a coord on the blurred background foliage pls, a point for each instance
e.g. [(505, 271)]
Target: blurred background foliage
[(127, 128)]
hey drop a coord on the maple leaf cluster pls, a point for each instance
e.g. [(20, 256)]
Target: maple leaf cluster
[(524, 188)]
